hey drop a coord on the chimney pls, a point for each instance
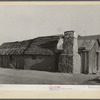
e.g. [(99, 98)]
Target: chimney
[(70, 59)]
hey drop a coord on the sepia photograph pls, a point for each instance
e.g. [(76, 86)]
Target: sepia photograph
[(50, 44)]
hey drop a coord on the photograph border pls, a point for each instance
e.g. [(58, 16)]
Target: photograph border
[(8, 93)]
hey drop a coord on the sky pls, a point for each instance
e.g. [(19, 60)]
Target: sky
[(21, 22)]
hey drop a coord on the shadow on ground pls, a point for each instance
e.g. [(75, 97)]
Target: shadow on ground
[(95, 80)]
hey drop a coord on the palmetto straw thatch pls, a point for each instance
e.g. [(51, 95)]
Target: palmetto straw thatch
[(31, 46), (13, 48)]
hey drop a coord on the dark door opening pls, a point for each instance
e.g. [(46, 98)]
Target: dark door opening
[(57, 60), (83, 62), (97, 60)]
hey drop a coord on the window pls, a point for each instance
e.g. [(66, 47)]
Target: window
[(33, 57)]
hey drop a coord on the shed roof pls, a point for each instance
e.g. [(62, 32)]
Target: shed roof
[(87, 44), (88, 41)]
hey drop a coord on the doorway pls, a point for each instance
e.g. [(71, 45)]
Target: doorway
[(97, 61), (84, 62), (57, 54)]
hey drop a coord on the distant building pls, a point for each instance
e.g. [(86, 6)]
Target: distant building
[(71, 54)]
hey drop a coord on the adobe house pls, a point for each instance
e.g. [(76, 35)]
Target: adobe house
[(73, 54)]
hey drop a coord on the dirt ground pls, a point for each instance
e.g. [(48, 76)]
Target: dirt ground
[(12, 76)]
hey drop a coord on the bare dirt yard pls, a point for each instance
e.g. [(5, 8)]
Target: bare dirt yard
[(13, 76)]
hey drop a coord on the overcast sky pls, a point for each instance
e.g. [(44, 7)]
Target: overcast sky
[(20, 22)]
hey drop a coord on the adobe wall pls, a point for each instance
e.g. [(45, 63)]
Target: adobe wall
[(4, 61), (92, 59), (76, 56), (42, 63), (16, 62)]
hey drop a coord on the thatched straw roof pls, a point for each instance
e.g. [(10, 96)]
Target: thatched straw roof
[(13, 47), (32, 46)]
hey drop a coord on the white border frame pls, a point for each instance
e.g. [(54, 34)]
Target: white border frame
[(43, 91)]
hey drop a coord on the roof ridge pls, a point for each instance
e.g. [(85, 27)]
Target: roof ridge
[(27, 46)]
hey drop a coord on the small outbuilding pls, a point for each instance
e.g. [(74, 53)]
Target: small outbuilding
[(89, 50)]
